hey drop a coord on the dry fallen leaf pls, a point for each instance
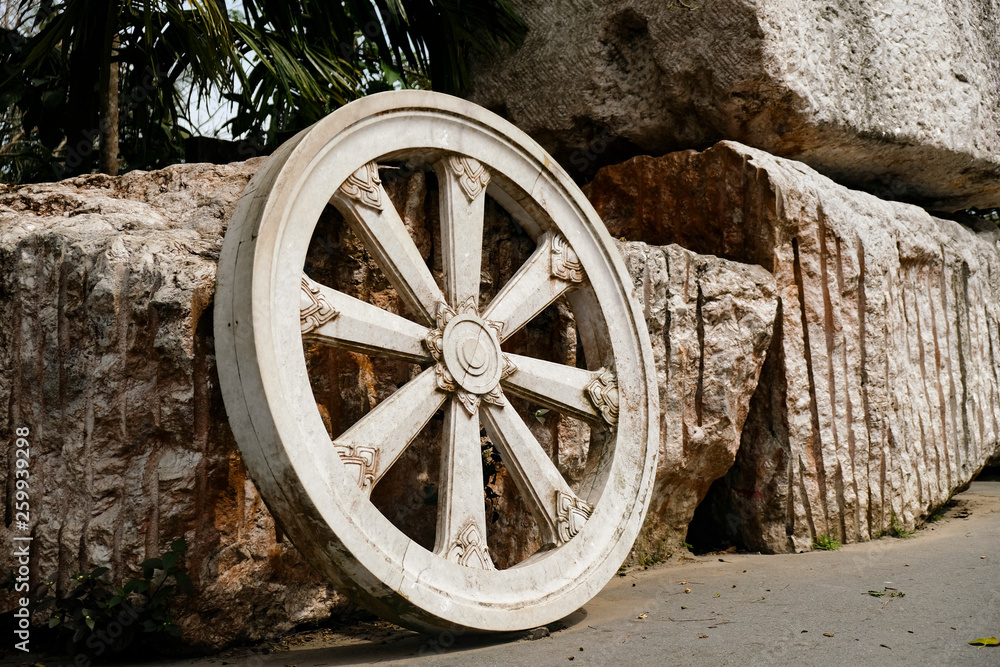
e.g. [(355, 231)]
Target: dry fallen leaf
[(687, 590), (827, 634), (642, 615), (985, 641), (702, 636)]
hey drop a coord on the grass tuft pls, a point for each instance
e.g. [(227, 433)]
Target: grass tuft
[(826, 543)]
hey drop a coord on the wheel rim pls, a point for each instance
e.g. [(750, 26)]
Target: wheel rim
[(319, 490)]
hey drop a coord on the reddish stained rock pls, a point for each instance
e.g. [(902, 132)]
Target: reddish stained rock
[(106, 353), (880, 396), (710, 323)]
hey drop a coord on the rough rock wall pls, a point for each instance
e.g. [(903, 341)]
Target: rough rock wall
[(710, 323), (898, 98), (879, 397), (106, 354)]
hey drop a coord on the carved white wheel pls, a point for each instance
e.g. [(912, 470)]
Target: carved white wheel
[(320, 490)]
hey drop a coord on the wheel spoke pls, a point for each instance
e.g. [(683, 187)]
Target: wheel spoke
[(566, 389), (375, 442), (367, 209), (461, 527), (336, 319), (559, 512), (462, 183), (550, 271)]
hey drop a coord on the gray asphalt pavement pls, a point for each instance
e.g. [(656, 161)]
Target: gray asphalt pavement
[(936, 591)]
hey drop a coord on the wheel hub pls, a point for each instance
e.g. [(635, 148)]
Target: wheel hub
[(472, 354), (466, 348)]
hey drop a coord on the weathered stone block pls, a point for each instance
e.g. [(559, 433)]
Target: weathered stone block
[(106, 353), (880, 395), (710, 323), (901, 99)]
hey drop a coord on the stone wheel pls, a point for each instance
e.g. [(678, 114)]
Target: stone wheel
[(320, 490)]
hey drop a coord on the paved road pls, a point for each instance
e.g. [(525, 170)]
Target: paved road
[(801, 609)]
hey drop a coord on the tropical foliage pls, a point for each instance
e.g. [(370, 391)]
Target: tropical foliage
[(67, 67)]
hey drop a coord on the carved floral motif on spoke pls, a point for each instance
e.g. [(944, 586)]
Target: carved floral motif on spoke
[(603, 394), (565, 263), (364, 186), (571, 514), (472, 175), (364, 460), (314, 309), (471, 550)]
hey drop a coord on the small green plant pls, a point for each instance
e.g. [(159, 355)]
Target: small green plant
[(686, 546), (650, 560), (826, 543), (897, 528), (939, 513), (95, 619)]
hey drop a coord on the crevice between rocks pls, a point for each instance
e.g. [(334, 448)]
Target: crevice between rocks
[(751, 506)]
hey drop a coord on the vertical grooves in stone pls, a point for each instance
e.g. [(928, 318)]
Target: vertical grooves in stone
[(926, 443), (980, 398), (952, 400), (62, 330), (940, 443), (666, 323), (815, 448), (64, 338), (779, 412), (806, 505), (963, 370), (848, 403), (978, 351), (88, 453), (61, 559), (863, 354), (150, 472), (995, 378), (201, 304), (699, 394), (831, 381), (881, 475), (122, 308), (16, 300), (889, 451), (907, 412)]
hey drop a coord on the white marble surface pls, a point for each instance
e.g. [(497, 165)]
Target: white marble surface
[(320, 490)]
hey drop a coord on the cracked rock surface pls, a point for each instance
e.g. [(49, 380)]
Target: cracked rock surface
[(106, 354), (898, 98), (880, 395)]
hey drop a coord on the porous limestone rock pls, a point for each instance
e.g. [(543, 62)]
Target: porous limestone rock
[(710, 323), (880, 396), (901, 99), (106, 355)]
